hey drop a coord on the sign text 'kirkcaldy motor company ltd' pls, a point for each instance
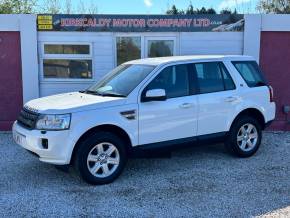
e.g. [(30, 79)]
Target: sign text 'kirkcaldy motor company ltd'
[(141, 23)]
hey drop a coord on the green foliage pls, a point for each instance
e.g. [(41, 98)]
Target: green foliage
[(190, 10), (274, 6), (228, 11), (173, 10), (17, 6), (47, 6)]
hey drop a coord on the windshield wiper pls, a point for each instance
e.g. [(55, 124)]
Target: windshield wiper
[(109, 94), (104, 94), (91, 92)]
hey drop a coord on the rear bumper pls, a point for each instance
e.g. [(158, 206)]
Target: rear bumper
[(58, 151), (270, 112)]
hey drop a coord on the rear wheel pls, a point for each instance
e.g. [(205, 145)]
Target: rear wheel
[(245, 137), (101, 158)]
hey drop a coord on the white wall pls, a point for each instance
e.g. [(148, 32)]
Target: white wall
[(227, 43), (275, 22), (252, 35)]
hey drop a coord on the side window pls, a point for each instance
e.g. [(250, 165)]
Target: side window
[(213, 77), (250, 72), (173, 79), (229, 83)]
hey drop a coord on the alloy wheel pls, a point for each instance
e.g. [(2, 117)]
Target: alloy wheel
[(247, 137), (103, 160)]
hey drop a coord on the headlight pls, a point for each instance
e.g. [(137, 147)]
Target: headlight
[(53, 122)]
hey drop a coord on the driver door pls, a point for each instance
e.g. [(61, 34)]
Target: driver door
[(173, 118)]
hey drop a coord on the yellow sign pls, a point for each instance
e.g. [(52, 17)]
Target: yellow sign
[(44, 22), (44, 17), (45, 26)]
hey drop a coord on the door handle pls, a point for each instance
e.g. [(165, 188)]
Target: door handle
[(186, 105), (231, 99)]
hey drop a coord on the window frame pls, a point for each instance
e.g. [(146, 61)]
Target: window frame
[(221, 65), (144, 41), (189, 74), (44, 56)]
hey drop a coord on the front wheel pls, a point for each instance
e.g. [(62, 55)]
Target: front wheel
[(101, 158), (244, 137)]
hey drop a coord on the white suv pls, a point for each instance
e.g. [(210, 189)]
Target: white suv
[(146, 104)]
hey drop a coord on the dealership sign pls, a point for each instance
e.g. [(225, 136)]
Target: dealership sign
[(140, 23)]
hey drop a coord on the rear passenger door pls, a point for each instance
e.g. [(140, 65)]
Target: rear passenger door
[(217, 97)]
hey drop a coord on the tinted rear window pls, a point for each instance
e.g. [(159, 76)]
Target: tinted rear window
[(250, 72)]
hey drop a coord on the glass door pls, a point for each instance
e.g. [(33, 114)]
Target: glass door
[(128, 48), (160, 46)]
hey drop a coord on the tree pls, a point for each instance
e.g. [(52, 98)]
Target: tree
[(228, 11), (85, 8), (274, 6), (225, 11), (211, 11), (93, 8), (68, 7), (202, 11), (173, 10), (17, 6), (190, 9), (52, 7), (58, 6)]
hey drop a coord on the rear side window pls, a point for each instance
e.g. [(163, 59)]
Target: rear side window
[(213, 77), (250, 72)]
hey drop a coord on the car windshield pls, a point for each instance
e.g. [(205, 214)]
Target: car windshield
[(121, 81)]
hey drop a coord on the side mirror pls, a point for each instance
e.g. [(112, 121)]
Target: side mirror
[(155, 95)]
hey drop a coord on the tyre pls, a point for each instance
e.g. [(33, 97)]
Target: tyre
[(244, 137), (101, 158)]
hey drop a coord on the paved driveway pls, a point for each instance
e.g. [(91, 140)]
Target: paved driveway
[(203, 181)]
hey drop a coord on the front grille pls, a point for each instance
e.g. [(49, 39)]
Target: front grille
[(27, 118)]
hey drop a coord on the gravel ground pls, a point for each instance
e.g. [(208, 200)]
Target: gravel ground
[(203, 181)]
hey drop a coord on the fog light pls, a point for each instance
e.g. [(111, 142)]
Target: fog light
[(44, 143)]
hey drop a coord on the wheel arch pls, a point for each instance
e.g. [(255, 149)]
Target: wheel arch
[(252, 112), (105, 128)]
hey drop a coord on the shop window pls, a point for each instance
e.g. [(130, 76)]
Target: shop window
[(67, 61), (62, 68), (160, 48), (128, 48)]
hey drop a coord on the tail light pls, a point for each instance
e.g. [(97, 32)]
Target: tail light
[(271, 93)]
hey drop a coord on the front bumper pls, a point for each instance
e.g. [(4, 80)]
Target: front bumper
[(59, 144)]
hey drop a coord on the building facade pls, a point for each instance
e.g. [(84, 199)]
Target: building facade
[(41, 55)]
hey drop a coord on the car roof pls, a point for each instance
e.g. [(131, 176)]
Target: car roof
[(193, 58)]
